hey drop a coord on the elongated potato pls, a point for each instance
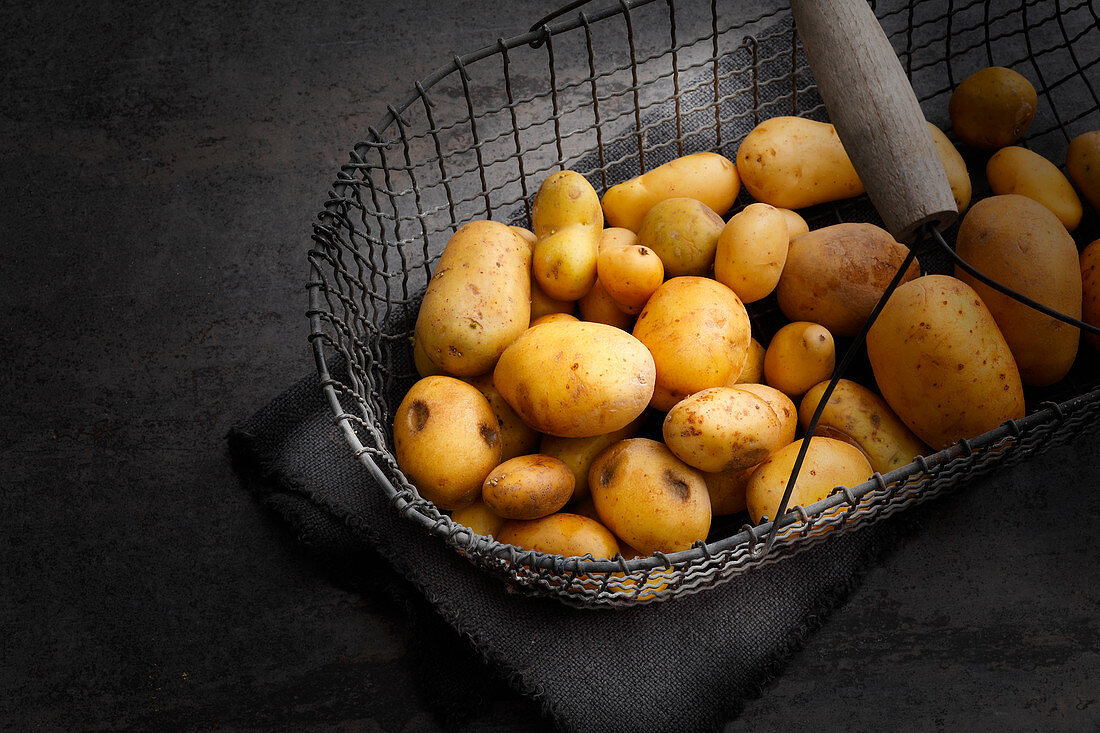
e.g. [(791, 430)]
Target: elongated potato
[(706, 177), (1024, 172), (752, 249), (863, 416), (567, 220), (955, 167), (793, 162), (565, 534), (1090, 284), (478, 300), (517, 438), (1083, 166), (684, 233), (528, 487), (828, 463), (1021, 244), (579, 453), (941, 363), (722, 429), (992, 108), (576, 380), (799, 356)]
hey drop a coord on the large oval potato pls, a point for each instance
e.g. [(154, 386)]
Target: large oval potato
[(446, 440), (478, 300), (1021, 244), (565, 534), (752, 249), (1083, 166), (722, 429), (1021, 171), (517, 438), (579, 453), (828, 463), (684, 233), (648, 497), (1090, 291), (576, 379), (698, 332), (528, 487), (992, 107), (706, 177), (793, 162), (835, 275), (941, 363)]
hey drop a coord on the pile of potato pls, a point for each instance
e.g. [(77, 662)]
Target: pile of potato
[(545, 354)]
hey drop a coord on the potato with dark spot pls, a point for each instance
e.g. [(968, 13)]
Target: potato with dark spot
[(684, 233), (579, 453), (528, 487), (722, 429), (446, 440), (649, 497), (517, 438), (480, 518), (828, 463), (570, 535), (992, 108)]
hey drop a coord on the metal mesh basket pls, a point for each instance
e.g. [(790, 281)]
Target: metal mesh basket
[(618, 91)]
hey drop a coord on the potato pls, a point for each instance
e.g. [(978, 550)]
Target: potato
[(828, 463), (617, 237), (865, 418), (751, 251), (565, 199), (781, 405), (446, 440), (799, 356), (598, 306), (992, 108), (727, 490), (1083, 166), (706, 177), (565, 534), (551, 317), (1022, 245), (795, 224), (793, 162), (655, 581), (630, 273), (576, 380), (478, 300), (1090, 282), (479, 518), (579, 453), (542, 304), (955, 168), (567, 220), (1021, 171), (753, 369), (698, 332), (835, 275), (424, 365), (516, 437), (648, 497), (528, 487), (526, 235), (941, 363), (722, 429), (683, 233)]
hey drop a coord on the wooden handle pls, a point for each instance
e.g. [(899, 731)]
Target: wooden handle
[(876, 114)]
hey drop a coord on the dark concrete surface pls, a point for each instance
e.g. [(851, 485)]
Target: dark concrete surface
[(161, 165)]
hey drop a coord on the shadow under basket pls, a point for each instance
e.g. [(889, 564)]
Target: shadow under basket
[(617, 91)]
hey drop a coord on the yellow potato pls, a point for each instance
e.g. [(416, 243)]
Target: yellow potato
[(479, 518), (941, 363), (1021, 171), (542, 304), (446, 440), (565, 534), (865, 418), (955, 168), (706, 177), (684, 234), (835, 275), (828, 463), (630, 273), (727, 490), (528, 487), (1090, 283), (578, 453), (565, 199), (1022, 245), (516, 437), (1083, 166), (598, 306), (698, 332), (576, 380), (781, 405), (799, 356), (526, 235), (617, 237), (753, 369), (793, 162), (551, 317), (648, 497), (567, 221), (751, 251), (424, 365), (722, 429), (478, 300), (992, 108), (795, 223)]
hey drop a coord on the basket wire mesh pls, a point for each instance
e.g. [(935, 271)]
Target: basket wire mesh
[(623, 89)]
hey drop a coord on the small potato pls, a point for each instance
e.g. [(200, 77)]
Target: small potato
[(684, 234), (565, 534), (865, 418), (576, 380), (648, 497), (753, 370), (992, 108), (598, 306), (781, 405), (828, 463), (955, 168), (793, 162), (526, 235), (479, 518), (542, 304), (446, 440), (516, 437), (752, 249), (630, 273), (835, 275), (1083, 166), (1018, 170), (722, 429), (727, 490), (1090, 281), (552, 317), (578, 453), (706, 177), (698, 332), (617, 237), (564, 263), (799, 356), (528, 487), (795, 223)]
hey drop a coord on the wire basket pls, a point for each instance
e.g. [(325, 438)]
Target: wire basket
[(618, 91)]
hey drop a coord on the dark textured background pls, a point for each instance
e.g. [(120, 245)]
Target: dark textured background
[(161, 165)]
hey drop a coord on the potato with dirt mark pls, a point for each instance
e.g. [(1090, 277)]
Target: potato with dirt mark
[(782, 405), (528, 487), (722, 429)]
